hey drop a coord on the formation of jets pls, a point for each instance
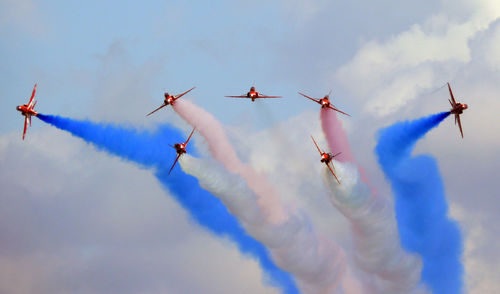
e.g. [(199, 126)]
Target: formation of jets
[(28, 110)]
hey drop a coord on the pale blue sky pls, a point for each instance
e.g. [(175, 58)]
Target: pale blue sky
[(222, 47)]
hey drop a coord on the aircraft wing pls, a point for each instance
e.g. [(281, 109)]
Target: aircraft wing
[(265, 96), (336, 109), (32, 96), (190, 136), (241, 96), (182, 94), (451, 94), (319, 150), (457, 120), (174, 163), (313, 99), (25, 126), (330, 168), (156, 109)]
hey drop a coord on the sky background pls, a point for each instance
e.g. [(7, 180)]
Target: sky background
[(73, 219)]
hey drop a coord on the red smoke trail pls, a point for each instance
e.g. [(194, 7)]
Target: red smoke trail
[(204, 123), (338, 142), (335, 135), (222, 150)]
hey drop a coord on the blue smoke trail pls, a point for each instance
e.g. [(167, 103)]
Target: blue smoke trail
[(421, 207), (151, 150)]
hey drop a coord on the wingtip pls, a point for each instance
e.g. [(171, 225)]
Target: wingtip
[(171, 169)]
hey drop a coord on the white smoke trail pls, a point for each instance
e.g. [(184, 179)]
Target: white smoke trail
[(377, 252), (318, 264), (222, 150)]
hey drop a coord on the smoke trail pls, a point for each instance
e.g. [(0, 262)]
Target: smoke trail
[(377, 245), (222, 150), (421, 207), (150, 150), (387, 267), (335, 135), (337, 140), (317, 264)]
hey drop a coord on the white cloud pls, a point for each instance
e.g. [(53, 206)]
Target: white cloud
[(75, 220), (21, 14), (381, 71)]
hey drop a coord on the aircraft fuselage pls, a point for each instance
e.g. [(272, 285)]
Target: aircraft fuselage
[(25, 110), (458, 108), (324, 102), (326, 158), (253, 95), (180, 148), (169, 99)]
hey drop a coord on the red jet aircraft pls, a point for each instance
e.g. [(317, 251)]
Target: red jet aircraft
[(169, 100), (325, 102), (253, 94), (327, 158), (180, 148), (28, 110), (457, 109)]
